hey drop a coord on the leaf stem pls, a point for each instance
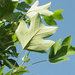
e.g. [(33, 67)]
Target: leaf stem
[(26, 56), (17, 59), (38, 62)]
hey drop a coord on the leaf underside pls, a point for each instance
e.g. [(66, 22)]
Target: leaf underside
[(32, 38)]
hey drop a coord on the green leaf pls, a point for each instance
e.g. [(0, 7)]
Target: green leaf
[(20, 70), (11, 17), (1, 24), (9, 4), (32, 38), (71, 50), (28, 60), (8, 48), (57, 14), (1, 69), (62, 51), (10, 63), (8, 7), (50, 20), (54, 48), (8, 73), (43, 10), (23, 7), (29, 1), (14, 38), (60, 55), (61, 59), (67, 41)]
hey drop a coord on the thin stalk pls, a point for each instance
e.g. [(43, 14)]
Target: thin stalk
[(38, 62), (26, 57), (17, 59)]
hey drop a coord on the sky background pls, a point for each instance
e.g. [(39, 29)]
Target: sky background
[(66, 27)]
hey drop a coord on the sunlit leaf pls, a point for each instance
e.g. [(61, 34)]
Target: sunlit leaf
[(8, 73), (2, 68), (71, 50), (57, 53), (32, 38), (29, 1), (60, 55), (20, 70), (57, 14), (61, 59), (67, 41), (54, 48), (1, 24), (43, 10), (28, 60), (14, 38)]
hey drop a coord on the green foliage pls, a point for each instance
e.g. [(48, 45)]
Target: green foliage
[(43, 10), (1, 69), (29, 1), (32, 38), (56, 15), (7, 8), (8, 73), (19, 70), (58, 53), (22, 6), (25, 27)]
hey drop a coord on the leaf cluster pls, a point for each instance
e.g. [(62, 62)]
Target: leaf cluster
[(22, 23)]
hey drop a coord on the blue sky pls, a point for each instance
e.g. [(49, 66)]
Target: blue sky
[(66, 27)]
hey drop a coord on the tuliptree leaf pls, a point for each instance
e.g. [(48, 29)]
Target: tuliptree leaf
[(57, 53), (71, 50), (29, 1), (23, 6), (2, 68), (54, 48), (60, 55), (32, 38), (11, 17), (57, 14), (14, 38), (8, 73), (20, 70), (8, 7), (61, 59), (1, 24), (43, 10), (28, 60), (10, 63), (67, 41), (50, 20)]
